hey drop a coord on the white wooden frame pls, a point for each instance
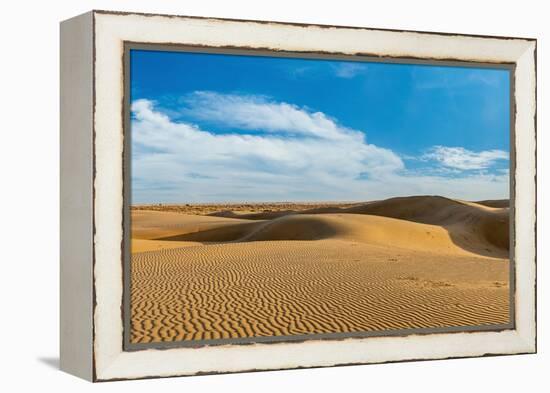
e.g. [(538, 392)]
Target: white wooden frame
[(92, 143)]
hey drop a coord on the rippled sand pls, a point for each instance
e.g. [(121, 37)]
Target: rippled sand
[(200, 277)]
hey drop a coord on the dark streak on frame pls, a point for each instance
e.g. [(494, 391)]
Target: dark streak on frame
[(266, 52), (94, 172), (296, 339), (535, 180), (512, 197), (316, 55), (126, 192)]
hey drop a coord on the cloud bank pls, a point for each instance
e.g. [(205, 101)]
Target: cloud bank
[(259, 113), (463, 159), (276, 151)]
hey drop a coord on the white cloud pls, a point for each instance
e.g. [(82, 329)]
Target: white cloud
[(288, 153), (320, 157), (463, 159), (258, 113)]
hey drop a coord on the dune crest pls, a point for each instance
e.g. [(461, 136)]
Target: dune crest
[(474, 227), (433, 222), (353, 227)]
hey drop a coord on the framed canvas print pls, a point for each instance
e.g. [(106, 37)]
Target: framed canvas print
[(245, 195)]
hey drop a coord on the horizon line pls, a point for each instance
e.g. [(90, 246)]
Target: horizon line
[(310, 202)]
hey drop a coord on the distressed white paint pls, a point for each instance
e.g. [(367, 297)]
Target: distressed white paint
[(112, 30)]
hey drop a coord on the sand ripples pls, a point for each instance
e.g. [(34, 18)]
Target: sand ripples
[(281, 288)]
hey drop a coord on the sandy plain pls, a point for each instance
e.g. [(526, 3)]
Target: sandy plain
[(206, 272)]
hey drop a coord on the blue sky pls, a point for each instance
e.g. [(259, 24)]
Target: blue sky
[(222, 128)]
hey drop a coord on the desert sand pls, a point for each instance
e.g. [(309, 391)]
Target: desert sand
[(201, 272)]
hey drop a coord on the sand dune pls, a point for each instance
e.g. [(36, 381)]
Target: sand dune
[(155, 224), (150, 227), (401, 263), (472, 227), (143, 245), (361, 228), (495, 202)]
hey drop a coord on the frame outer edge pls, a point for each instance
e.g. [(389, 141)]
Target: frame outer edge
[(76, 196), (526, 138), (523, 343)]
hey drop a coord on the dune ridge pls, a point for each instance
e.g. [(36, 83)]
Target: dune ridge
[(499, 203), (475, 228), (361, 228), (402, 263)]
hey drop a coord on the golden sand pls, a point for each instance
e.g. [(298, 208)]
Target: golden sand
[(414, 262)]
